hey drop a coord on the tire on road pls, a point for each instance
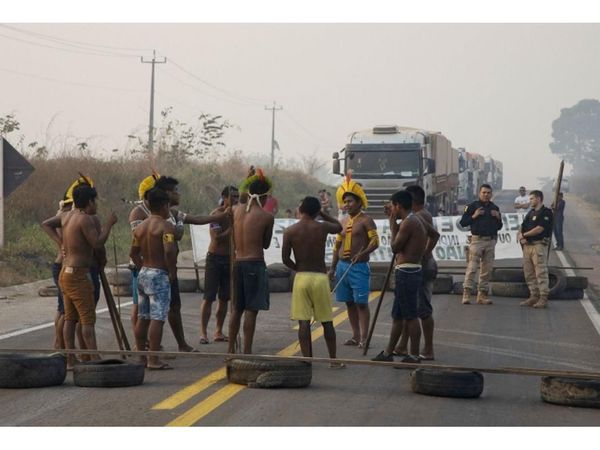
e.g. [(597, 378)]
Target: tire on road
[(188, 284), (122, 291), (48, 291), (508, 275), (108, 373), (376, 281), (504, 289), (280, 285), (269, 374), (457, 288), (576, 283), (442, 284), (446, 383), (571, 391), (568, 294), (122, 278), (31, 371), (278, 270), (558, 281)]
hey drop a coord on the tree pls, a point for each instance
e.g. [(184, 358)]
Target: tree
[(8, 124), (576, 135), (180, 141)]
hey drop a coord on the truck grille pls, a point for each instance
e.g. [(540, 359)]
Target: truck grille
[(377, 198)]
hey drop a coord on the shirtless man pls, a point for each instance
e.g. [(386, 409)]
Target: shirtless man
[(424, 308), (178, 219), (310, 295), (217, 272), (80, 237), (253, 229), (350, 265), (154, 252), (409, 243)]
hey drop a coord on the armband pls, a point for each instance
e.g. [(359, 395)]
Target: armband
[(338, 238), (135, 242), (373, 237), (168, 238)]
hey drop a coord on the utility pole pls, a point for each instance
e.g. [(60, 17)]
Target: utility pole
[(273, 109), (151, 125)]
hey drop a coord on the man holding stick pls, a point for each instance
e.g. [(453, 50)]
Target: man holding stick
[(409, 243), (310, 295), (253, 229), (80, 236), (350, 263)]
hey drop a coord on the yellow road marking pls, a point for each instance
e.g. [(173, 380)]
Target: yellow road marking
[(215, 400), (194, 389)]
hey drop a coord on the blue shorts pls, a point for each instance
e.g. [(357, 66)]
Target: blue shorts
[(406, 293), (354, 287), (154, 291)]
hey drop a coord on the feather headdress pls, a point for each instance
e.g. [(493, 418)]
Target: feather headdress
[(351, 186), (147, 184)]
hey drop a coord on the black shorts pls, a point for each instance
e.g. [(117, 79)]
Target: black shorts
[(406, 294), (216, 277), (251, 286)]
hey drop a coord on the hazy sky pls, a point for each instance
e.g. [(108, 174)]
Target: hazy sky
[(493, 89)]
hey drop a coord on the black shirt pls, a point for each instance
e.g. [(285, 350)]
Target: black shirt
[(485, 224), (542, 217)]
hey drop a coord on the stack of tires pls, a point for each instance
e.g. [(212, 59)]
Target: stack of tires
[(120, 281), (511, 283), (281, 277)]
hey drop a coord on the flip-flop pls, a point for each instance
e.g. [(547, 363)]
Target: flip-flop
[(221, 339), (353, 342), (164, 366), (426, 358), (204, 341), (337, 365)]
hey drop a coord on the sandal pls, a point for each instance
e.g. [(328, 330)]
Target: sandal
[(352, 342)]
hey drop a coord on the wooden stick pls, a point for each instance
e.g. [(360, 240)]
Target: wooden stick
[(359, 362), (385, 285), (556, 192), (116, 270), (114, 314)]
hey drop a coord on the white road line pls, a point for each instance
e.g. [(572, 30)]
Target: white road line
[(47, 325), (585, 301)]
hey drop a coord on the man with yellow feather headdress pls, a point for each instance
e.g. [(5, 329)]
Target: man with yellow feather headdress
[(350, 264)]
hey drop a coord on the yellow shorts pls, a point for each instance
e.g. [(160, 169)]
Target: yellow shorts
[(311, 297)]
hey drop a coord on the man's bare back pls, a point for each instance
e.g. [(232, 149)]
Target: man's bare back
[(152, 235), (307, 238), (77, 228), (252, 232)]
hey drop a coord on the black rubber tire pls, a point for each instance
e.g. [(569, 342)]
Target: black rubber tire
[(576, 283), (504, 289), (508, 275), (457, 288), (124, 277), (48, 291), (446, 383), (122, 291), (376, 281), (568, 294), (560, 281), (442, 284), (278, 270), (30, 371), (256, 373), (108, 373), (280, 285), (571, 392), (188, 284)]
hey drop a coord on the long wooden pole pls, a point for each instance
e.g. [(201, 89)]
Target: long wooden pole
[(359, 362), (114, 314), (556, 192), (384, 288)]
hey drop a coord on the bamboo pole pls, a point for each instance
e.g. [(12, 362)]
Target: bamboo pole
[(114, 314)]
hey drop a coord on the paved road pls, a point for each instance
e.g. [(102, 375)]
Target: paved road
[(197, 394)]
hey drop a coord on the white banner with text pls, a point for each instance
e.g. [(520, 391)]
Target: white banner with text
[(450, 247)]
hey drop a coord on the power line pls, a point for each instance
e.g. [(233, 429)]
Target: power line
[(303, 128), (56, 80), (239, 97), (94, 53), (72, 42)]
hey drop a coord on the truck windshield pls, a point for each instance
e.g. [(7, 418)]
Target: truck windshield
[(398, 164)]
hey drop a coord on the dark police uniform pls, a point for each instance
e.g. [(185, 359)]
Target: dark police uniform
[(484, 233), (535, 256)]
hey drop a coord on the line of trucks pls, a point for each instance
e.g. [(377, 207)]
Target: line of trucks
[(387, 158)]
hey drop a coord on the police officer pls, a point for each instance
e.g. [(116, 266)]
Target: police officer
[(534, 236), (483, 216)]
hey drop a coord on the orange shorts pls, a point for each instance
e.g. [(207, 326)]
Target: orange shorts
[(78, 292)]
